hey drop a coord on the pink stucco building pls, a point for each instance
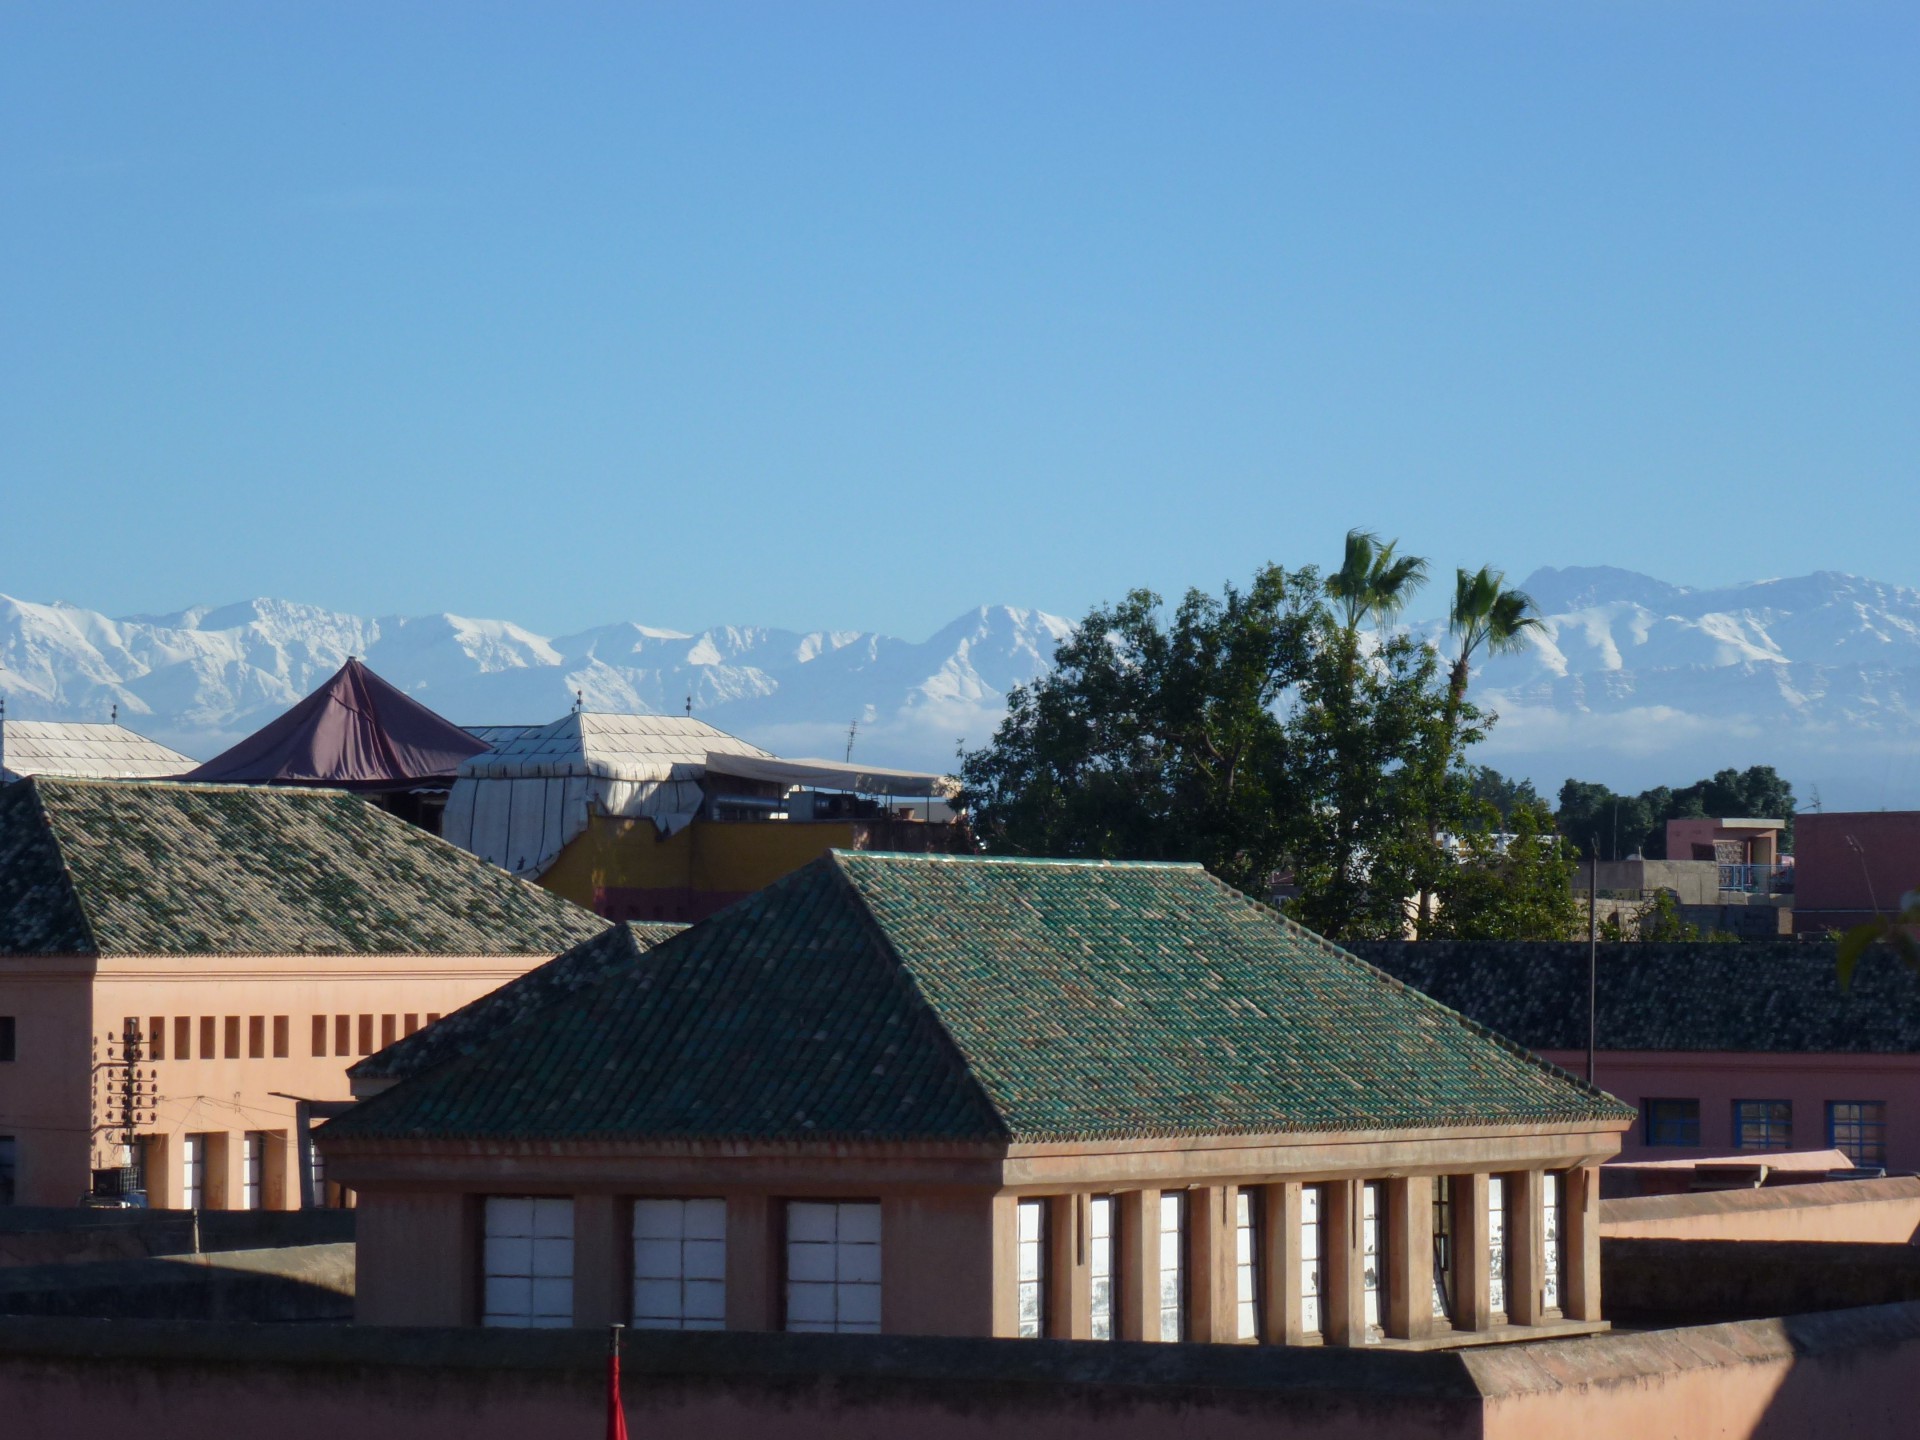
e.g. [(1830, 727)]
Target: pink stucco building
[(256, 941), (1851, 866), (1720, 1048)]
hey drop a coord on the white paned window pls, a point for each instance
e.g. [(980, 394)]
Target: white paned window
[(1312, 1270), (1442, 1248), (527, 1263), (679, 1264), (1032, 1246), (1372, 1254), (1497, 1245), (1246, 1265), (833, 1266), (1102, 1247), (1173, 1248), (1550, 1228), (193, 1172), (253, 1170)]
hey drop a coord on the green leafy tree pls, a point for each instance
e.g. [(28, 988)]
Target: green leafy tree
[(1511, 885), (1899, 932), (1488, 786), (1614, 826), (1157, 739)]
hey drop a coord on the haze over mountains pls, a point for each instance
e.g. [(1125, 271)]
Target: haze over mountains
[(1631, 680)]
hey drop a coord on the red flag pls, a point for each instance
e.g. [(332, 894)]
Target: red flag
[(616, 1416)]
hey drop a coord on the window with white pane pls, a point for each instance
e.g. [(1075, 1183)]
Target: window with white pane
[(1031, 1244), (1312, 1267), (679, 1264), (1497, 1245), (1246, 1263), (1550, 1201), (1442, 1248), (253, 1170), (1173, 1277), (527, 1262), (1102, 1247), (1373, 1272), (833, 1266), (193, 1172)]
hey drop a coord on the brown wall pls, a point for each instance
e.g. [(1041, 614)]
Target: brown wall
[(1830, 876), (1855, 1373)]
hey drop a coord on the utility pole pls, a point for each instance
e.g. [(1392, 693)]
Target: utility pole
[(1593, 956), (130, 1094)]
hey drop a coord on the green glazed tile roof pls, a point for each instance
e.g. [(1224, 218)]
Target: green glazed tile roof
[(156, 867), (616, 948), (1758, 997), (930, 997)]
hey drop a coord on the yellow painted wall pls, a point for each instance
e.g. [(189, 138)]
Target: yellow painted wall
[(708, 856)]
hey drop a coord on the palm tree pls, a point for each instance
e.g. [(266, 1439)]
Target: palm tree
[(1487, 616), (1373, 581)]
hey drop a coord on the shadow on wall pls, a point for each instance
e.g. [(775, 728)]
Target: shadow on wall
[(306, 1284)]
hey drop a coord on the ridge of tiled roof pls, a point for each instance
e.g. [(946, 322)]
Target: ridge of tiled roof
[(161, 867), (471, 1026), (882, 996), (1766, 997)]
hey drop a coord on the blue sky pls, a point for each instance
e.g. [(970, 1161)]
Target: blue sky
[(858, 315)]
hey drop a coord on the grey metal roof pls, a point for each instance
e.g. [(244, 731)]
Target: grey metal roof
[(84, 750)]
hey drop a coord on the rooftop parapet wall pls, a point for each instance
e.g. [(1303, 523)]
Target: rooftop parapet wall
[(1862, 1211), (1856, 1371)]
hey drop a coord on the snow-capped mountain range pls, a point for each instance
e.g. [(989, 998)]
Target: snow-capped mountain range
[(1630, 680)]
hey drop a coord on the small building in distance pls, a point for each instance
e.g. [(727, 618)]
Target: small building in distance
[(1853, 865), (83, 750), (938, 1095), (255, 941), (360, 734), (1750, 1049), (663, 818)]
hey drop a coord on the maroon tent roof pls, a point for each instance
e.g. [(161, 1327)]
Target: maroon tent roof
[(356, 732)]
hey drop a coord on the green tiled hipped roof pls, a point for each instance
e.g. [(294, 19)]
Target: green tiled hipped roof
[(616, 948), (155, 867), (924, 997)]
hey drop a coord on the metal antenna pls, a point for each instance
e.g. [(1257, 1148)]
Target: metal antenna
[(853, 728)]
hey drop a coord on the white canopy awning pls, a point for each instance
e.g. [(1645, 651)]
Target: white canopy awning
[(832, 775)]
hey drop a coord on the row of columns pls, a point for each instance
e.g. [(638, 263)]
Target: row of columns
[(1406, 1234)]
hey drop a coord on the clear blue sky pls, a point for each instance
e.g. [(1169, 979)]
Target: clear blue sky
[(857, 315)]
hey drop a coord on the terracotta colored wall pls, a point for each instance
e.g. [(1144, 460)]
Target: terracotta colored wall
[(44, 1091), (1718, 1079), (433, 1235), (1863, 1211), (62, 1016), (1829, 875)]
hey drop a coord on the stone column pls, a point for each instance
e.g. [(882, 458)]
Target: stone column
[(1345, 1305), (1139, 1252), (1472, 1307), (1069, 1273), (602, 1261), (1580, 1243), (1409, 1239), (754, 1225), (1209, 1255), (1279, 1267), (1525, 1249)]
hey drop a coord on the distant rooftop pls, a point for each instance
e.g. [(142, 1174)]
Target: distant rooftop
[(168, 867), (85, 751)]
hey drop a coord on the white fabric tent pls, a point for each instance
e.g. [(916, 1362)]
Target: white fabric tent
[(520, 805), (831, 775)]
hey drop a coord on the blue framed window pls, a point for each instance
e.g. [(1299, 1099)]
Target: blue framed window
[(1672, 1122), (1858, 1128), (1763, 1124)]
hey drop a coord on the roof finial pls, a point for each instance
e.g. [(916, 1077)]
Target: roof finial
[(853, 728), (113, 715), (689, 704), (579, 701)]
